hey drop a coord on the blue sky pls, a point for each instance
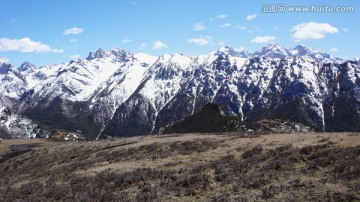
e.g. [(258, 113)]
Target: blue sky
[(54, 31)]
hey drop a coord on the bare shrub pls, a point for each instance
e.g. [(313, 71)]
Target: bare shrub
[(336, 196), (252, 152), (197, 146), (307, 150), (284, 173), (192, 184), (325, 139), (31, 188), (221, 197), (256, 180), (148, 192)]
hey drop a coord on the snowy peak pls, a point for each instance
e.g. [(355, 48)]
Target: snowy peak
[(273, 50), (180, 59), (301, 50), (145, 59), (100, 53), (77, 61), (4, 61), (114, 54), (276, 51), (5, 66), (170, 66), (122, 55), (27, 66), (274, 47), (120, 93), (176, 60), (80, 80), (226, 50), (12, 83)]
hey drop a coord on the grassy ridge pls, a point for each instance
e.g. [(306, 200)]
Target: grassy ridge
[(205, 167)]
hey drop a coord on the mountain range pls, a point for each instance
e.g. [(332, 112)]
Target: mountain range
[(118, 93)]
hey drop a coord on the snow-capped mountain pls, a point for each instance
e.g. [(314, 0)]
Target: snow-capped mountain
[(119, 93), (12, 83), (86, 91), (303, 51), (230, 51), (27, 66), (12, 88), (274, 51), (119, 87)]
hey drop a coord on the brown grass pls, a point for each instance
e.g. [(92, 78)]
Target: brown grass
[(204, 167)]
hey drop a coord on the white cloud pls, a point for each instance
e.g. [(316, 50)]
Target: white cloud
[(25, 45), (201, 40), (74, 31), (126, 41), (222, 16), (263, 39), (345, 29), (334, 50), (157, 45), (225, 25), (142, 45), (73, 40), (221, 43), (312, 30), (199, 27), (251, 17), (74, 56)]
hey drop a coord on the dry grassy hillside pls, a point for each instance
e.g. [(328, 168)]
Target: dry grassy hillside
[(201, 167)]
